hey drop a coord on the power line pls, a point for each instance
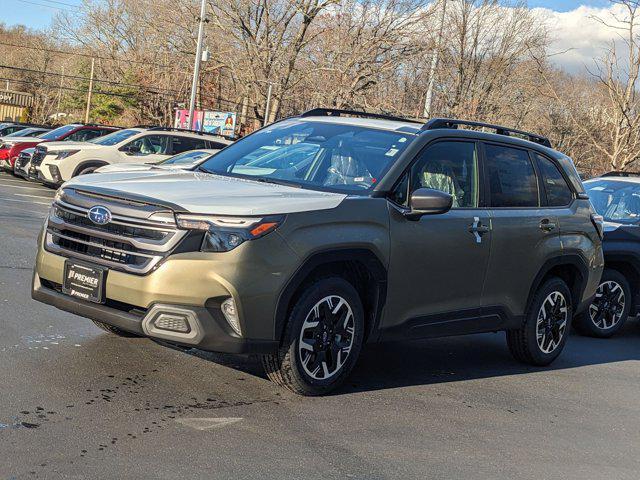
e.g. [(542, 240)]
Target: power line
[(62, 3), (154, 91), (49, 6), (174, 99), (85, 55)]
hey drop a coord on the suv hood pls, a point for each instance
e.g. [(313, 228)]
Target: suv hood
[(56, 146), (206, 193)]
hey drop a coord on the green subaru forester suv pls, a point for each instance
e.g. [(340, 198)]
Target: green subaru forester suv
[(306, 239)]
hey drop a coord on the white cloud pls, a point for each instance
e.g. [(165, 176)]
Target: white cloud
[(579, 36)]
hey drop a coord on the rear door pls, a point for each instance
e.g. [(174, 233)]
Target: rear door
[(438, 263), (525, 231)]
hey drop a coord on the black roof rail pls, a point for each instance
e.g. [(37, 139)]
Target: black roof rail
[(620, 174), (27, 124), (96, 125), (184, 130), (437, 123), (336, 112)]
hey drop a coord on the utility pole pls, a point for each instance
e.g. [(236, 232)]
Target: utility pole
[(267, 107), (86, 113), (426, 113), (60, 90), (196, 68)]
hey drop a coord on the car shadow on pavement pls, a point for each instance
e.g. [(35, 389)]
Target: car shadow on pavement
[(473, 357), (454, 359)]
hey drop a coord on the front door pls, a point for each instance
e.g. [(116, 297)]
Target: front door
[(438, 263)]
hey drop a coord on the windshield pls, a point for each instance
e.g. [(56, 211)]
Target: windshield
[(317, 155), (187, 158), (58, 132), (616, 201), (27, 132), (115, 137)]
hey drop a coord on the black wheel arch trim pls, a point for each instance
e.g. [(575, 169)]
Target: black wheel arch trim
[(365, 256), (631, 260), (88, 163), (566, 259)]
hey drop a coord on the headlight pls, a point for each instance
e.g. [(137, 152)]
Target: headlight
[(226, 233), (65, 153)]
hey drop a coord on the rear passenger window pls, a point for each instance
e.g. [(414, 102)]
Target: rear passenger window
[(512, 179), (558, 192), (184, 144)]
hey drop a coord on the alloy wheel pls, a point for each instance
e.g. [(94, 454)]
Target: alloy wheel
[(326, 337), (607, 308), (552, 322)]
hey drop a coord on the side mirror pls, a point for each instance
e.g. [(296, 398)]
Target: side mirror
[(427, 201)]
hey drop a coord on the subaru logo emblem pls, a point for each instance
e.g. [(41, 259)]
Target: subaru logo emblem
[(100, 215)]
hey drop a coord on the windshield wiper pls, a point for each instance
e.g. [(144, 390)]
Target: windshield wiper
[(273, 180)]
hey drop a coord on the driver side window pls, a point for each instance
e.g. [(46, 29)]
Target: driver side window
[(451, 167)]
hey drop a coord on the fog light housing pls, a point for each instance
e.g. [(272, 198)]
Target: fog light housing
[(55, 173), (172, 322), (230, 313)]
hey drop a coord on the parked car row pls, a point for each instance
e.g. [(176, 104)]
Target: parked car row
[(53, 156), (322, 232)]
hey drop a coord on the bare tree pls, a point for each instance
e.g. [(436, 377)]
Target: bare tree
[(618, 72), (265, 39)]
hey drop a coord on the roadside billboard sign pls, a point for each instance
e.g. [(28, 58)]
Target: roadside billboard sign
[(182, 120), (220, 123)]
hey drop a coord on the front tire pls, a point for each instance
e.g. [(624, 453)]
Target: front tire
[(544, 333), (87, 170), (322, 339), (609, 310)]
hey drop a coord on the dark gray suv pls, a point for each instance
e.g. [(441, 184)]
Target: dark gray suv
[(321, 232)]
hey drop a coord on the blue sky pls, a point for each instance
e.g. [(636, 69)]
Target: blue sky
[(38, 13), (33, 13)]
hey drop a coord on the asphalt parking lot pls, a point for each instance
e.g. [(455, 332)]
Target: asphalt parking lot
[(78, 403)]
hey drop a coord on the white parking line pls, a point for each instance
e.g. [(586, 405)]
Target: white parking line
[(24, 201), (18, 186), (16, 180), (208, 423), (33, 196)]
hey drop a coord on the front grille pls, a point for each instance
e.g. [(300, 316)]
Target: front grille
[(114, 228), (23, 159), (38, 156), (132, 243)]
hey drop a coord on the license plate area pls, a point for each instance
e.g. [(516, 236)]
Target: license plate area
[(84, 281)]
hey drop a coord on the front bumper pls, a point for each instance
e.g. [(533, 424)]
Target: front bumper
[(208, 330), (192, 283)]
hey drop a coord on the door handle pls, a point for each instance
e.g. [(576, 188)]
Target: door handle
[(547, 225), (478, 229)]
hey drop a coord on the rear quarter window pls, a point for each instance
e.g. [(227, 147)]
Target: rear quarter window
[(558, 192)]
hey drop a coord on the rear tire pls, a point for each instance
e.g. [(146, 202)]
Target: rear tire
[(610, 309), (546, 327), (114, 330), (322, 339)]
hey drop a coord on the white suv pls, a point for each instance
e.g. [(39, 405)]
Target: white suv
[(57, 162)]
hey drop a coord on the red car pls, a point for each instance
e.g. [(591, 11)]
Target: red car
[(76, 132)]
